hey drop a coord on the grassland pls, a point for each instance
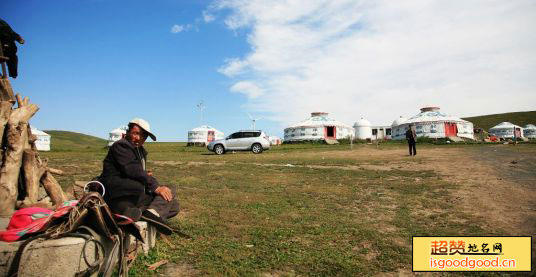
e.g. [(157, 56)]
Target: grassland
[(487, 121), (314, 210), (71, 141)]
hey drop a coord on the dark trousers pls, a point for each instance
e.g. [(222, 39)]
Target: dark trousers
[(165, 209), (411, 144), (12, 65)]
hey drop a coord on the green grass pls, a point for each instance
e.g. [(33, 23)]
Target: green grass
[(487, 121), (308, 209), (71, 141)]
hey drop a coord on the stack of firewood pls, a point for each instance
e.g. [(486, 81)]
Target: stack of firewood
[(21, 163)]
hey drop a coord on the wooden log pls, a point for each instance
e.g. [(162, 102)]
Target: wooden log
[(45, 203), (53, 189), (55, 171), (30, 142), (5, 111), (78, 189), (6, 91), (33, 171), (17, 138)]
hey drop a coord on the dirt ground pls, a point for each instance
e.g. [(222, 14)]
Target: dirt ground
[(495, 182)]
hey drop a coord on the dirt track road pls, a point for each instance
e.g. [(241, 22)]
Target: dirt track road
[(497, 182)]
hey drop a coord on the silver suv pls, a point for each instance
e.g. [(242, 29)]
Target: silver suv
[(256, 141)]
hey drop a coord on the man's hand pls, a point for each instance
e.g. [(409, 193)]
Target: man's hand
[(165, 192)]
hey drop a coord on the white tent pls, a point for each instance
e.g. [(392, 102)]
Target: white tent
[(363, 129), (432, 123), (399, 132), (117, 134), (43, 139), (505, 130), (274, 140), (318, 127), (530, 131), (203, 135)]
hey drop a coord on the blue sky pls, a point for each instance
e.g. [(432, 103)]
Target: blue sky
[(93, 65)]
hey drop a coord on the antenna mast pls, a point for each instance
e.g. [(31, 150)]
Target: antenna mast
[(201, 106)]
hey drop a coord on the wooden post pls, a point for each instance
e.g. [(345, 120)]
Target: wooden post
[(33, 171), (5, 111), (53, 189), (17, 138)]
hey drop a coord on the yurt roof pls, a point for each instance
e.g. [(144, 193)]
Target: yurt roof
[(204, 128), (119, 130), (38, 132), (432, 114), (362, 123), (504, 125), (318, 119), (399, 121), (530, 127)]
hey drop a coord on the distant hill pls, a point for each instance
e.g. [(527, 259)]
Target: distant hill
[(487, 121), (71, 141)]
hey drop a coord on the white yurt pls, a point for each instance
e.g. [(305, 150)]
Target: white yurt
[(117, 134), (529, 131), (398, 129), (505, 130), (432, 123), (363, 129), (318, 127), (43, 139), (275, 140), (202, 135)]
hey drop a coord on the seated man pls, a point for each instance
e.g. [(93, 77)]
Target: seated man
[(131, 190)]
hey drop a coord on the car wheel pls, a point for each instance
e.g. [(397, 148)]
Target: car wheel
[(256, 148), (218, 149)]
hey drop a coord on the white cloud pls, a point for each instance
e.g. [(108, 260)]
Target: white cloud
[(233, 67), (208, 17), (248, 88), (382, 59), (180, 28)]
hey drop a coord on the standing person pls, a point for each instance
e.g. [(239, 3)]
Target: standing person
[(411, 136), (9, 48), (131, 189)]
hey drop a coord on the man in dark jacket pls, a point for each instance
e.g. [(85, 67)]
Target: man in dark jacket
[(9, 48), (411, 136), (131, 189)]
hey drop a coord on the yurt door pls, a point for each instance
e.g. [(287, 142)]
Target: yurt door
[(210, 136), (517, 132), (451, 129), (329, 132)]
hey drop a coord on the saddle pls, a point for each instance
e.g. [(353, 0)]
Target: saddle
[(90, 216)]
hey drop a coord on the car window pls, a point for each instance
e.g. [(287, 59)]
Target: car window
[(236, 135)]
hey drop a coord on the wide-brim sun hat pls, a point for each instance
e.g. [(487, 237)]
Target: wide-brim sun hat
[(144, 125)]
